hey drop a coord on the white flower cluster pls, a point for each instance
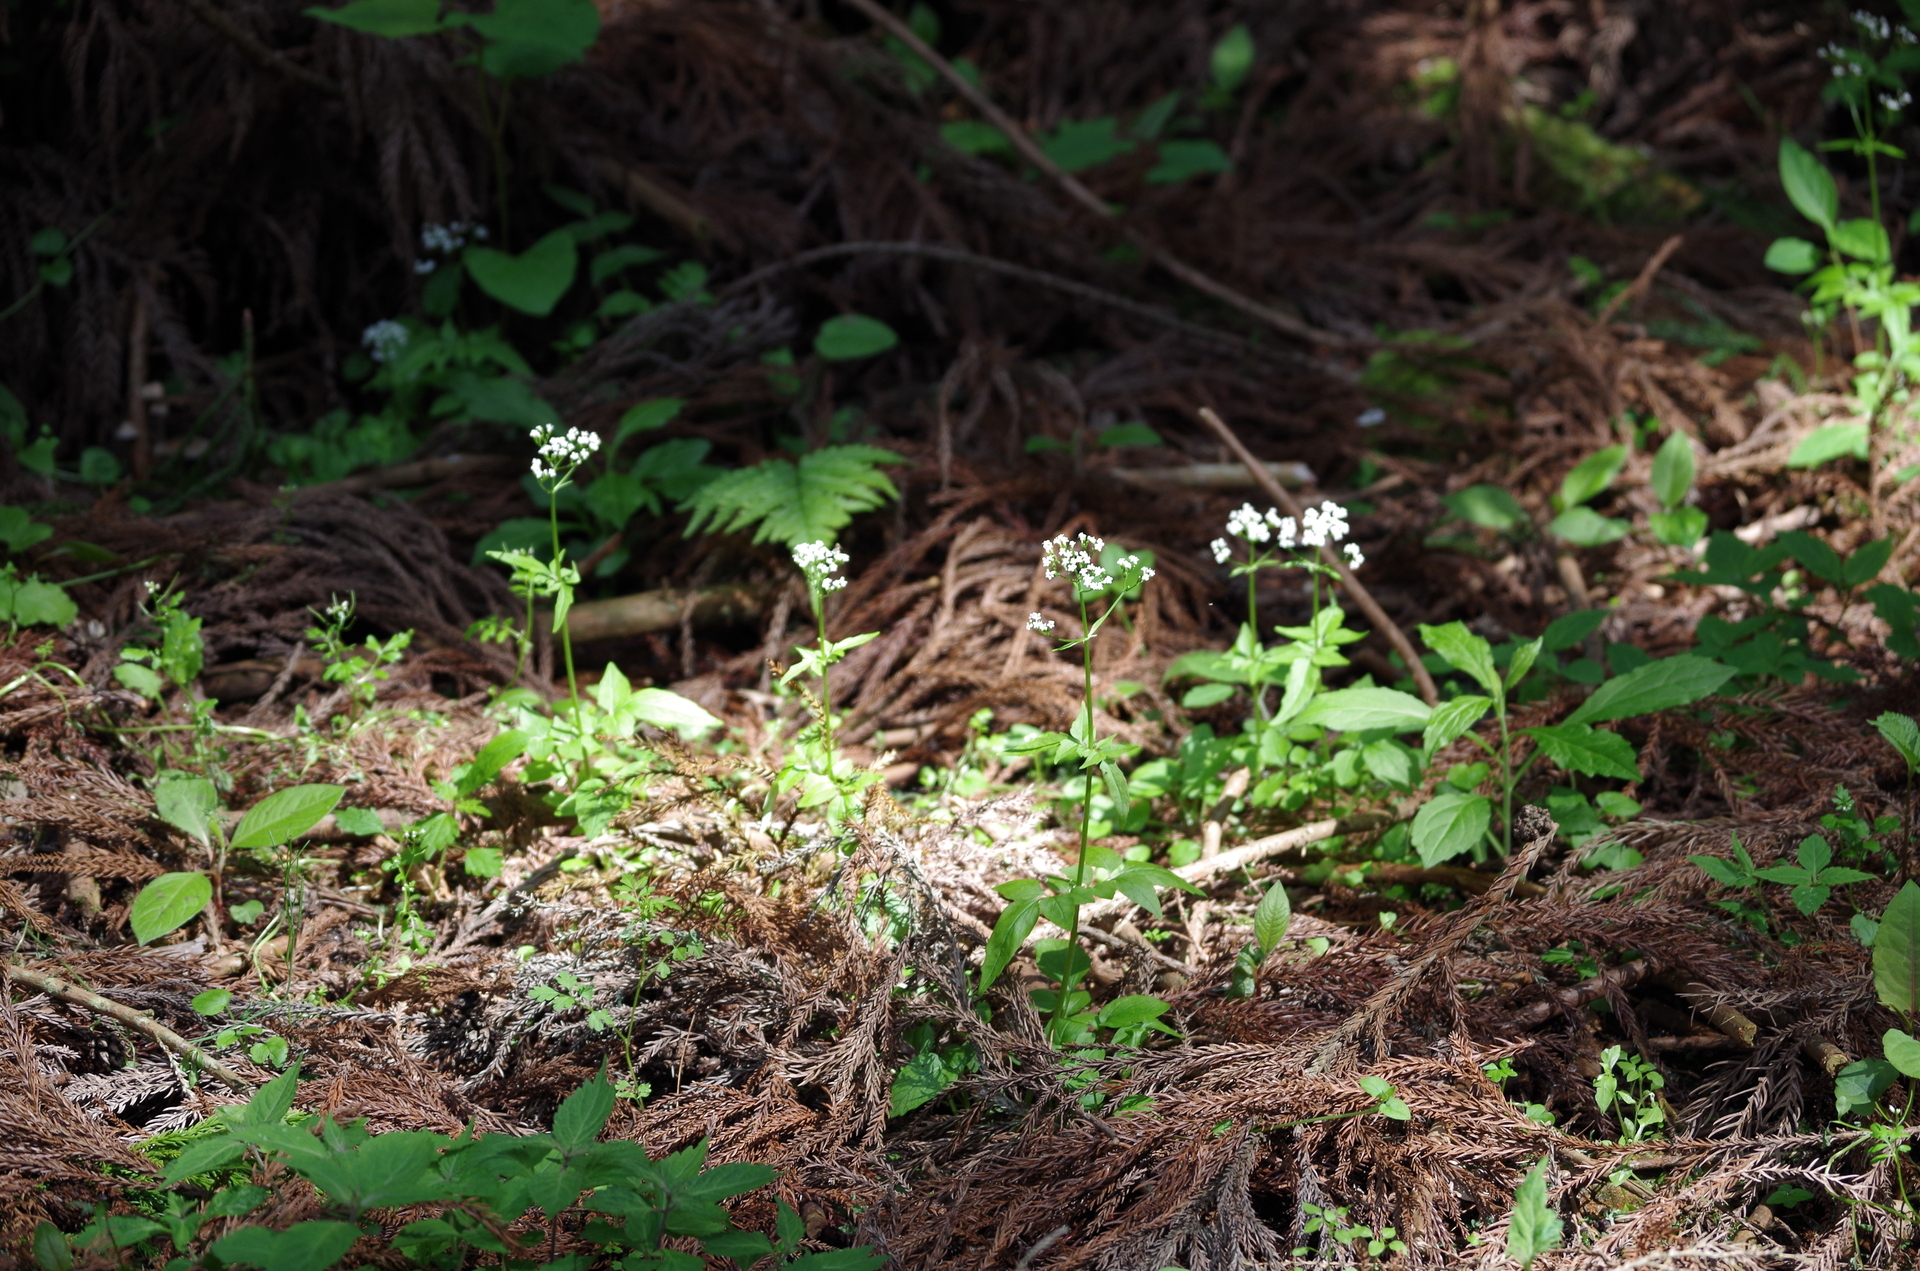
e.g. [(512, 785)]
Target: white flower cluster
[(384, 340), (1323, 525), (446, 239), (560, 453), (819, 561), (1040, 622), (1079, 559), (1896, 102), (1844, 61), (153, 589), (1873, 24), (338, 611)]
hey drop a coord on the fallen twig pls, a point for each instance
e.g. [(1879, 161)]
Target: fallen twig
[(1429, 692), (139, 1021), (1641, 282)]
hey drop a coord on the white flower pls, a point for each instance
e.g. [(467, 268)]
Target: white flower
[(384, 340), (1371, 417), (1039, 622), (1286, 534), (1221, 550), (1059, 555), (425, 266), (448, 239), (560, 453), (1355, 557), (1323, 525), (1249, 524), (819, 561), (153, 589)]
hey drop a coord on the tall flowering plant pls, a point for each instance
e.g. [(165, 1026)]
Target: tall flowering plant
[(820, 775), (558, 457), (1098, 872)]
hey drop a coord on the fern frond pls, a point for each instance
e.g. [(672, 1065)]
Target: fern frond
[(796, 503)]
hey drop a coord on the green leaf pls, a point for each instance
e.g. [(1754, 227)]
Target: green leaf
[(1896, 953), (1657, 686), (1450, 824), (1232, 58), (1591, 476), (664, 709), (796, 504), (1079, 144), (616, 260), (1392, 762), (1522, 661), (853, 336), (1673, 469), (472, 777), (1131, 1009), (583, 1114), (1585, 749), (1116, 787), (33, 603), (305, 1246), (1862, 239), (1808, 184), (1902, 1051), (187, 803), (1131, 434), (1201, 696), (1681, 527), (919, 1080), (1565, 632), (1533, 1228), (1488, 506), (529, 38), (284, 815), (359, 822), (1465, 652), (1866, 562), (212, 1002), (1010, 931), (51, 1251), (1452, 719), (168, 902), (1359, 709), (1820, 559), (1792, 256), (19, 531), (531, 282), (1903, 734), (1185, 159), (1724, 872), (1829, 442), (1860, 1085), (1271, 918), (394, 19), (1584, 527)]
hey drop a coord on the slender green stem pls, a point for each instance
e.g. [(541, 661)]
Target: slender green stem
[(566, 636), (826, 687), (1086, 821), (1506, 777)]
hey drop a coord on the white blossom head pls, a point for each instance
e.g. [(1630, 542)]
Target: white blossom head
[(1323, 525), (1286, 534), (1039, 622), (338, 611), (1077, 558), (820, 561), (1222, 550), (1246, 523), (560, 453), (1355, 557), (153, 589), (385, 340)]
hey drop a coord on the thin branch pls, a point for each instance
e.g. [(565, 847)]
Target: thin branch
[(1429, 691), (1641, 282), (1087, 199), (139, 1021), (257, 53)]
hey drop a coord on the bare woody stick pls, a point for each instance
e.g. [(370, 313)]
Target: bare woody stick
[(138, 1021), (1361, 596), (1086, 198)]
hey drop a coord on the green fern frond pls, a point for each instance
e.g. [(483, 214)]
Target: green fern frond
[(796, 503)]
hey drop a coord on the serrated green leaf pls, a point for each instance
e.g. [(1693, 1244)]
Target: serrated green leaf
[(1585, 749), (1866, 562), (1522, 661), (1465, 652), (1449, 825), (1116, 787), (1452, 719), (1569, 630), (168, 902), (1896, 953), (1533, 1228), (581, 1116), (919, 1080), (1862, 239), (360, 822), (1901, 732), (284, 815), (1271, 918), (1657, 686), (790, 503)]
